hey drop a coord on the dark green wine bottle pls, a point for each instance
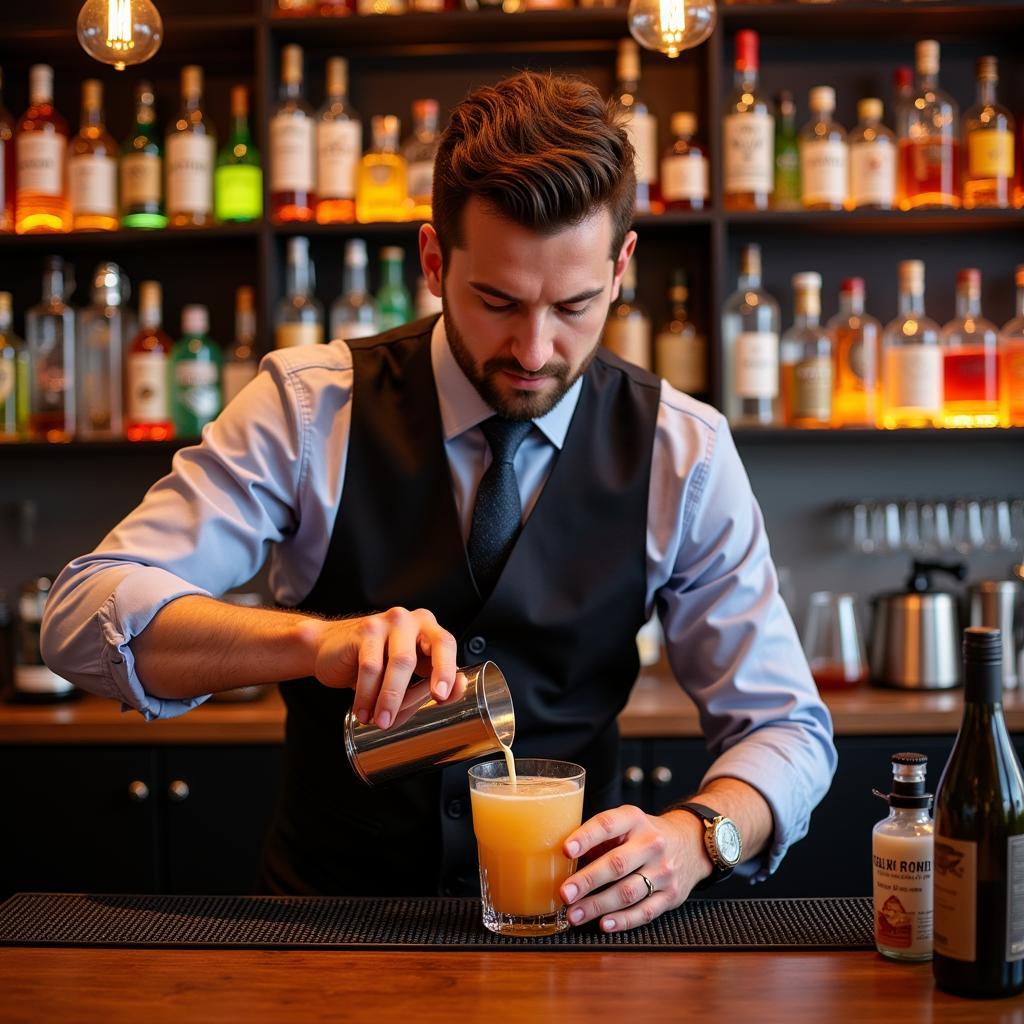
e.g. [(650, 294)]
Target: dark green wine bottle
[(979, 840)]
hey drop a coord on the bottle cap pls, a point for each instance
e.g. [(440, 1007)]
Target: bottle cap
[(425, 111), (239, 101), (92, 94), (927, 57), (683, 122), (195, 320), (1018, 275), (908, 782), (988, 69), (291, 64), (750, 260), (245, 314), (385, 129), (355, 253), (150, 302), (245, 299), (823, 99), (903, 77), (337, 76), (969, 282), (747, 44), (109, 285), (983, 645), (870, 109), (852, 286), (392, 254), (191, 81), (40, 83), (628, 65), (808, 280), (912, 276)]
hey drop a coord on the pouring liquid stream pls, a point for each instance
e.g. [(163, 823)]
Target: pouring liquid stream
[(510, 763)]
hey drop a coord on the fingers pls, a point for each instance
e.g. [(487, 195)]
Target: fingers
[(400, 663), (640, 913), (602, 828), (440, 646), (370, 667)]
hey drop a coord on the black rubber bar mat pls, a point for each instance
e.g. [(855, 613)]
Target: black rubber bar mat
[(306, 922)]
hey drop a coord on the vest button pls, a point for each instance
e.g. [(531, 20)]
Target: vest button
[(455, 808), (476, 645)]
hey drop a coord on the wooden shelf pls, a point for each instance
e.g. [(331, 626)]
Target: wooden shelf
[(878, 221), (127, 237), (765, 436)]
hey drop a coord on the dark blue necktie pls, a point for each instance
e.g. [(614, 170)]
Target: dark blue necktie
[(498, 513)]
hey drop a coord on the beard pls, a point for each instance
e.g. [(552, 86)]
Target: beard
[(511, 403)]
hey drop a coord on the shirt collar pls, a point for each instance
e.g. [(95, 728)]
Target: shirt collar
[(462, 408)]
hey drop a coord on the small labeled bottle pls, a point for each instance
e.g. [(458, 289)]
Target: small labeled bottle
[(299, 317), (142, 167), (805, 353), (195, 374), (787, 155), (872, 160), (148, 397), (382, 189), (627, 331), (339, 147), (824, 156), (238, 180), (292, 165), (354, 313), (419, 152), (684, 166), (14, 371), (902, 850), (242, 364), (394, 304), (189, 154), (92, 167), (680, 350)]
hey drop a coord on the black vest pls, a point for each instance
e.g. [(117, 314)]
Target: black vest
[(560, 622)]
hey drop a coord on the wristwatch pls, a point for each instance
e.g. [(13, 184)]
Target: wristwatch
[(722, 840)]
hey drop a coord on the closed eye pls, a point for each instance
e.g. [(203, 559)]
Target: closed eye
[(498, 309)]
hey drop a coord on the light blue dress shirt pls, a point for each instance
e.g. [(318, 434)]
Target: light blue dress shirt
[(267, 481)]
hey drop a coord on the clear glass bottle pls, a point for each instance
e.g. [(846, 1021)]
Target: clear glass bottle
[(142, 167), (40, 144), (242, 365), (750, 348), (640, 124), (92, 166), (684, 166), (856, 351), (748, 133), (339, 148), (990, 165), (14, 370), (805, 354), (787, 155), (354, 313), (195, 374), (872, 160), (824, 157), (970, 360), (191, 149), (627, 331), (50, 338), (103, 330), (148, 398), (680, 350), (419, 151), (394, 304), (7, 165), (903, 97), (382, 190), (292, 164), (902, 855), (911, 359), (928, 133), (1011, 361), (238, 180), (299, 318)]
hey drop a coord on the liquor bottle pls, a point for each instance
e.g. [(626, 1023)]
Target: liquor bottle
[(382, 188), (928, 139), (354, 314), (824, 158), (1011, 362), (684, 166), (970, 360), (292, 186), (856, 350), (903, 97), (102, 331), (787, 155), (750, 348), (50, 339), (680, 350), (299, 319), (748, 135), (92, 167), (238, 180), (990, 165), (7, 165), (805, 353), (627, 331), (339, 147), (195, 374), (242, 364), (979, 840), (640, 125), (40, 145), (190, 149), (872, 160), (911, 393), (148, 416), (14, 370), (142, 166), (419, 151), (394, 304)]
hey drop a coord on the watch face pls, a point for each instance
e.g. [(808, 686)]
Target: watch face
[(727, 842)]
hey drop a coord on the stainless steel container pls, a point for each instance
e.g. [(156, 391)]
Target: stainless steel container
[(915, 641), (1000, 604), (428, 735)]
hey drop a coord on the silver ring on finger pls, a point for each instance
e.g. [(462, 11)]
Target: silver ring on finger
[(647, 882)]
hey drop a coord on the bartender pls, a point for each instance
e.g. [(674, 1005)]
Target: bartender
[(487, 484)]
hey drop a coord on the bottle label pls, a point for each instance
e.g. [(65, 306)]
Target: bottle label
[(914, 377), (749, 143), (684, 177), (823, 172), (290, 335), (339, 147), (1015, 897), (421, 179), (239, 192), (291, 153), (351, 331), (757, 364), (682, 361), (629, 338), (92, 183), (642, 130), (902, 872), (189, 173), (236, 376), (990, 154), (8, 376), (812, 389), (197, 390), (147, 387), (41, 163), (955, 887), (872, 174), (140, 180)]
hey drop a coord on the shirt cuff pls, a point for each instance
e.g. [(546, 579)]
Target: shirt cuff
[(123, 616)]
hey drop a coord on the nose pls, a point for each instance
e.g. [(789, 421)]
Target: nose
[(534, 343)]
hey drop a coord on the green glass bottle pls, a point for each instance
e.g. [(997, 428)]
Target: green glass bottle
[(195, 374), (142, 167), (394, 304), (787, 156), (14, 367), (238, 180)]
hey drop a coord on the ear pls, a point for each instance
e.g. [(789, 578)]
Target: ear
[(625, 255), (431, 260)]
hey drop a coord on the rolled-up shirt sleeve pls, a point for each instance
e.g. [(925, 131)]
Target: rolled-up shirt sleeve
[(731, 641)]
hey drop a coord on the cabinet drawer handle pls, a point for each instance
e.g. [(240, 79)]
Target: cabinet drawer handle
[(138, 791), (633, 775), (661, 776), (178, 791)]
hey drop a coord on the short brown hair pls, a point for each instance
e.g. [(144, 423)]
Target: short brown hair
[(543, 150)]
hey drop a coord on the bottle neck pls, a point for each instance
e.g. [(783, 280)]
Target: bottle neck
[(354, 279), (806, 319), (53, 286), (745, 79), (190, 104), (911, 303), (749, 280), (910, 815), (240, 127), (968, 305), (6, 320), (245, 326), (986, 93), (851, 304), (299, 278), (290, 91), (391, 272), (149, 317), (927, 81), (92, 117), (983, 687)]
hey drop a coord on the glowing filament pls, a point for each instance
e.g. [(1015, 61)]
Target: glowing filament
[(673, 25), (119, 25)]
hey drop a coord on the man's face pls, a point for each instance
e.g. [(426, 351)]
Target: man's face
[(524, 312)]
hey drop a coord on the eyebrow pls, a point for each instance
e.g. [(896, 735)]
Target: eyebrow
[(499, 294)]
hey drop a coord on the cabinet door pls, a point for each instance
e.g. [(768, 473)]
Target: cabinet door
[(217, 803), (78, 819), (634, 772)]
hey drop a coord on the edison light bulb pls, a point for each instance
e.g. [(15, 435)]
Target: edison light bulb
[(671, 26), (120, 32)]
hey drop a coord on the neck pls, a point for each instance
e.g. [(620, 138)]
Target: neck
[(968, 306), (911, 303)]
